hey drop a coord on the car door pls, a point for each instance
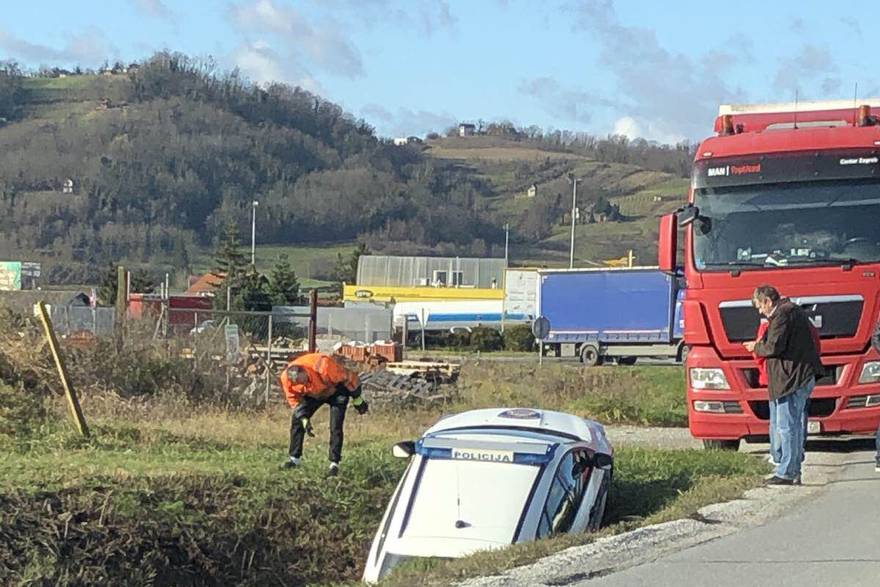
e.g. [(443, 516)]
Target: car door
[(565, 496)]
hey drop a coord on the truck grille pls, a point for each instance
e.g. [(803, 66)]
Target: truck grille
[(834, 316), (830, 376), (819, 408)]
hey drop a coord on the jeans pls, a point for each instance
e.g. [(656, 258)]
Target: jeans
[(791, 414), (775, 450), (338, 402)]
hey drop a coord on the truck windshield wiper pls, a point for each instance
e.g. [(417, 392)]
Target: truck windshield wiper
[(735, 264)]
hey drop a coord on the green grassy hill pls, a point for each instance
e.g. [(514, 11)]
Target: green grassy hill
[(510, 167)]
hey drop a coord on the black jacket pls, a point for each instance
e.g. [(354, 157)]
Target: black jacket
[(792, 356), (876, 338)]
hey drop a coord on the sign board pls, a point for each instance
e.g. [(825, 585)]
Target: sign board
[(31, 270), (232, 343), (541, 328), (10, 275), (521, 293)]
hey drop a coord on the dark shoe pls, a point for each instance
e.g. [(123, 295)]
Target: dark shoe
[(778, 481), (333, 471), (877, 466), (290, 464)]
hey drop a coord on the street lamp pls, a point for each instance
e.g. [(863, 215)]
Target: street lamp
[(254, 205), (574, 200)]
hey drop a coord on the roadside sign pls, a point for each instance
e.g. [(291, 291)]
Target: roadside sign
[(10, 275), (232, 343), (31, 269), (541, 327)]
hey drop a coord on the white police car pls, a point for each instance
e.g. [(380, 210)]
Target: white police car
[(489, 478)]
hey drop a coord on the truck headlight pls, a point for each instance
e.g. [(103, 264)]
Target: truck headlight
[(870, 372), (708, 379)]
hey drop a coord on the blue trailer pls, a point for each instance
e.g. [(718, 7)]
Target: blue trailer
[(621, 313)]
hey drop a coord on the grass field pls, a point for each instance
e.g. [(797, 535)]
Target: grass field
[(178, 493)]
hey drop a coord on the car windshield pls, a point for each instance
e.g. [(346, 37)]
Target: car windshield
[(453, 500), (787, 224)]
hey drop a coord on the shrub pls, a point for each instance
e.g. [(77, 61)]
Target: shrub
[(21, 411), (519, 338), (486, 339)]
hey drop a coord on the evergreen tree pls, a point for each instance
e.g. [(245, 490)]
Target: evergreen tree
[(284, 286), (346, 267), (141, 282), (230, 265)]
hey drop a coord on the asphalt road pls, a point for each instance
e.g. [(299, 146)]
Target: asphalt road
[(830, 538)]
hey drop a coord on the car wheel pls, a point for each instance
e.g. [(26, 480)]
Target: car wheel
[(590, 355), (721, 444)]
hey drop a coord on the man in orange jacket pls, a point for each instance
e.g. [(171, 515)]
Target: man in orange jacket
[(309, 381)]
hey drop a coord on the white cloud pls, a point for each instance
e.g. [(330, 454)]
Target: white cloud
[(89, 47), (321, 45), (633, 128), (154, 8), (406, 121)]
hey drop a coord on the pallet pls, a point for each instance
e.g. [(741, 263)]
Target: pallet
[(409, 368)]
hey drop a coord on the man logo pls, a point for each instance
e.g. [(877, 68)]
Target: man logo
[(718, 171)]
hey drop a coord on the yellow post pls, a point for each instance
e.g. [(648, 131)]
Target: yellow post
[(629, 257), (72, 401)]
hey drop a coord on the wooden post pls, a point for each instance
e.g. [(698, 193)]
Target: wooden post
[(72, 401), (121, 304), (313, 321)]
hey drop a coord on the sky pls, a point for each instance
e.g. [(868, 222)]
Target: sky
[(641, 68)]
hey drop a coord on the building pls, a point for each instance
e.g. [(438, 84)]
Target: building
[(385, 278), (532, 191), (400, 141), (465, 129), (403, 141), (67, 186)]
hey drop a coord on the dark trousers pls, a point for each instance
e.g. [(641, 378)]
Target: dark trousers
[(338, 403)]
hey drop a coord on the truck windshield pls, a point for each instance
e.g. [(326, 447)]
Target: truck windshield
[(787, 224)]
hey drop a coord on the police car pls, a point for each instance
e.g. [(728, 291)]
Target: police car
[(486, 479)]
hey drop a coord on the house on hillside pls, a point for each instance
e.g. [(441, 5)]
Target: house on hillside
[(205, 285), (67, 186), (400, 141), (466, 129), (532, 191)]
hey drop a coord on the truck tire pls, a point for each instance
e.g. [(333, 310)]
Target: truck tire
[(626, 360), (590, 355), (721, 444), (683, 353)]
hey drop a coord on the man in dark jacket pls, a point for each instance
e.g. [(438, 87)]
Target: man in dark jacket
[(792, 366)]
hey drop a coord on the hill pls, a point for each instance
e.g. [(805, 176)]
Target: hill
[(150, 166)]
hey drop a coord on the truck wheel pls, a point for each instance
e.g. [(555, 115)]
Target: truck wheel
[(721, 444), (683, 353), (626, 360), (590, 355)]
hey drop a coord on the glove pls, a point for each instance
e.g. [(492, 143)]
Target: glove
[(360, 405), (308, 427)]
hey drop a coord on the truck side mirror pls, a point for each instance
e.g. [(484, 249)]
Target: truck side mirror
[(404, 450), (687, 215), (668, 246)]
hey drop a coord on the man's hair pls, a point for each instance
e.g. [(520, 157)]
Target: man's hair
[(765, 292)]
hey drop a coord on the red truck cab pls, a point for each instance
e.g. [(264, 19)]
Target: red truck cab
[(786, 195)]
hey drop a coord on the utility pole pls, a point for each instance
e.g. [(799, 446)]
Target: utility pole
[(574, 200), (506, 242), (254, 205)]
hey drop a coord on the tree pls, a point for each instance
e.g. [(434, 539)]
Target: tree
[(346, 267), (283, 285), (229, 262), (141, 282)]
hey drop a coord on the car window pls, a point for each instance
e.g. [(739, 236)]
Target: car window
[(564, 497)]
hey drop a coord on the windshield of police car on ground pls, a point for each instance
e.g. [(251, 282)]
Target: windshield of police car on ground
[(787, 224)]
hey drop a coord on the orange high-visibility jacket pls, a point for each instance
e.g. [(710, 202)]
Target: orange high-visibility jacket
[(324, 372)]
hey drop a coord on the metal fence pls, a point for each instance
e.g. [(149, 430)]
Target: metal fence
[(367, 324), (70, 320)]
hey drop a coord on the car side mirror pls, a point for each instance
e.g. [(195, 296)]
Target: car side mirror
[(602, 461), (404, 450)]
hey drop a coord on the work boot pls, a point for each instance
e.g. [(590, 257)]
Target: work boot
[(333, 470), (778, 481), (292, 463), (877, 465)]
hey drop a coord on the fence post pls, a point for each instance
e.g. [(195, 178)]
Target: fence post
[(69, 392), (269, 371), (313, 320), (121, 304)]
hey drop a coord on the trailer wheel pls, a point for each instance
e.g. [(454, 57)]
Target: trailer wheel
[(590, 355), (721, 444)]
